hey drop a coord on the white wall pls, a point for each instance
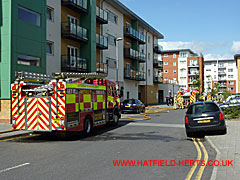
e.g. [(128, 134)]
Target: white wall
[(115, 30), (166, 88), (131, 87), (182, 75), (54, 35)]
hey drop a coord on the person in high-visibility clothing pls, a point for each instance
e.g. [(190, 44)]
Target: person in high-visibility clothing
[(175, 102)]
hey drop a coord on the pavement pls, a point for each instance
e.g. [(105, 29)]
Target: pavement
[(228, 148), (8, 127)]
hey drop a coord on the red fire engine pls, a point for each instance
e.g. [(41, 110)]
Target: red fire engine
[(63, 102)]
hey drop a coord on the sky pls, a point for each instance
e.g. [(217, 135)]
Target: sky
[(211, 27)]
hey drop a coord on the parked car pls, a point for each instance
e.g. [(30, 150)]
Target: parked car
[(204, 118), (233, 102), (132, 105)]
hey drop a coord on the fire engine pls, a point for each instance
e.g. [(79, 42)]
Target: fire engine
[(63, 102)]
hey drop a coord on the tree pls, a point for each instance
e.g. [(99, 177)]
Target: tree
[(226, 94)]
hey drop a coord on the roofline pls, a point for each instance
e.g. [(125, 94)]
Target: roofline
[(178, 50), (212, 60), (126, 11)]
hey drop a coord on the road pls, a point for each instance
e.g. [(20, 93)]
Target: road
[(161, 138)]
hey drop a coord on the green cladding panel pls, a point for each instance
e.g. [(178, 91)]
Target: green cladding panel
[(135, 44), (20, 37), (88, 50)]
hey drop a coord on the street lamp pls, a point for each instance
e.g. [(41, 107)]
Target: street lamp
[(117, 40)]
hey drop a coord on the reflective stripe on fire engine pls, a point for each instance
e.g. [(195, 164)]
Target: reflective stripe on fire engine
[(87, 86)]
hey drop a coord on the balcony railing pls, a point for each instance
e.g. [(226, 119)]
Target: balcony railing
[(222, 79), (223, 85), (102, 15), (193, 73), (134, 34), (134, 75), (158, 49), (77, 5), (157, 64), (73, 63), (158, 79), (102, 68), (170, 82), (74, 32), (135, 55), (193, 65), (221, 67), (102, 41)]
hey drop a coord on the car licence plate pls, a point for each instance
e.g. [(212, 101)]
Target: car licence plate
[(127, 106), (204, 121)]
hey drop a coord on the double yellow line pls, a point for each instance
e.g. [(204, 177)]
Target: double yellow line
[(199, 157)]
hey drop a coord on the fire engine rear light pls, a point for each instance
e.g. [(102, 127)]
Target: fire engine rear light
[(220, 116), (186, 120), (121, 104)]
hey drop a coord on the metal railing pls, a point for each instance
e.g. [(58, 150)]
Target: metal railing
[(157, 63), (133, 54), (158, 79), (129, 31), (102, 68), (134, 75), (158, 48), (74, 63), (102, 14), (102, 41), (77, 3), (193, 65), (74, 30), (193, 73)]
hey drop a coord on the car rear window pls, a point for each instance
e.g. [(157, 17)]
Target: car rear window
[(129, 101), (202, 108)]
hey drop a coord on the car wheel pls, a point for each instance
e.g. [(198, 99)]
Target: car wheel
[(115, 119), (87, 126)]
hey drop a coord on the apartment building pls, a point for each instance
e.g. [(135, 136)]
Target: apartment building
[(22, 43), (183, 67), (222, 72), (237, 59)]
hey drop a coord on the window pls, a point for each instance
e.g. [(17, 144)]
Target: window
[(174, 71), (215, 77), (111, 63), (174, 55), (165, 79), (128, 44), (231, 89), (165, 55), (202, 108), (208, 70), (230, 76), (149, 72), (166, 71), (49, 47), (111, 40), (112, 17), (231, 82), (148, 56), (174, 79), (28, 60), (28, 16), (49, 13), (149, 39), (215, 64), (182, 62), (230, 70), (174, 63), (230, 64), (165, 63), (183, 54)]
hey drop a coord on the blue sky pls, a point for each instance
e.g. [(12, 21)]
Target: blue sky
[(208, 26)]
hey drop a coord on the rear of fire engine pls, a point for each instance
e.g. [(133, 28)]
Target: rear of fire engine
[(65, 102)]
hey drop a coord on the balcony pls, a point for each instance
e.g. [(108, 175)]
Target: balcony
[(102, 68), (158, 64), (158, 49), (193, 65), (193, 73), (134, 34), (223, 85), (134, 55), (222, 79), (101, 41), (74, 32), (102, 16), (221, 72), (134, 75), (76, 5), (170, 82), (73, 63), (158, 79)]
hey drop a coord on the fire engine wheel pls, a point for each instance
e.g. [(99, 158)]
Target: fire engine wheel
[(87, 126), (115, 119)]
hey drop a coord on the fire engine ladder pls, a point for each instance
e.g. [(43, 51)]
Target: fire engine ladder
[(33, 77)]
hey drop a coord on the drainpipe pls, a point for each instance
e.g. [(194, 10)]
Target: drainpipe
[(146, 58)]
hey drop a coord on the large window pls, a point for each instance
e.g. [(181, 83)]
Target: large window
[(112, 17), (28, 16), (28, 60), (111, 40)]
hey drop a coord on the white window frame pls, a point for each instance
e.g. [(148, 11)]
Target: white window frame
[(165, 71), (165, 63), (52, 13)]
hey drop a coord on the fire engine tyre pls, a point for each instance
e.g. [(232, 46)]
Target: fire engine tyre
[(115, 119), (87, 126)]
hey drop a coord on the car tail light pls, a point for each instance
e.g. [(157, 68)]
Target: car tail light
[(186, 120), (134, 105), (220, 116), (121, 104)]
